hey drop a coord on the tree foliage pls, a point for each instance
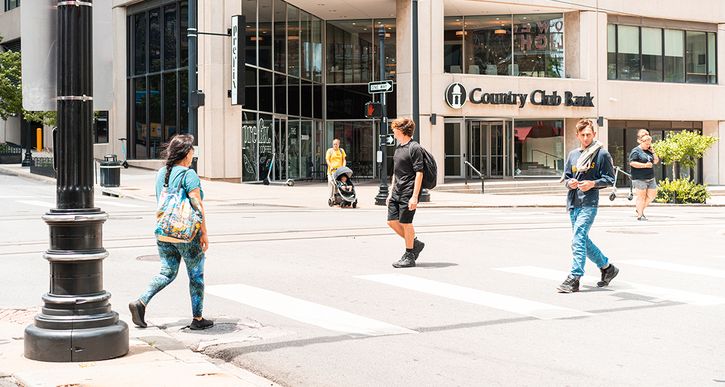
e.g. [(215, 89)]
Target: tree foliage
[(11, 91), (684, 148)]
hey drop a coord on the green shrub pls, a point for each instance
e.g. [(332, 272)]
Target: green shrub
[(681, 191)]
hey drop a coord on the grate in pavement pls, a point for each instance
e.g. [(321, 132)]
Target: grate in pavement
[(149, 258)]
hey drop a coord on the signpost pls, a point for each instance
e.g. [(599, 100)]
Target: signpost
[(238, 51), (380, 87)]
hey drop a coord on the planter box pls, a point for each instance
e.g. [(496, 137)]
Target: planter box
[(10, 154), (43, 166)]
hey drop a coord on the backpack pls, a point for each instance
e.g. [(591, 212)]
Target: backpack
[(430, 168), (177, 221)]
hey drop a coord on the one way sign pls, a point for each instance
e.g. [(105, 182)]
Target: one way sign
[(387, 139), (380, 87)]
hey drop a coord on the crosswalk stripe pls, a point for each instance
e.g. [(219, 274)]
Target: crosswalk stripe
[(675, 267), (305, 311), (117, 204), (474, 296), (622, 286), (37, 203)]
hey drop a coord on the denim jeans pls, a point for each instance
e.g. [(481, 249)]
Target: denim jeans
[(582, 247)]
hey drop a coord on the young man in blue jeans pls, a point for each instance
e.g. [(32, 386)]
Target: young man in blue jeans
[(588, 169)]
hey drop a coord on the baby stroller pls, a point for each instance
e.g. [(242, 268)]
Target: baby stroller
[(613, 195), (344, 189)]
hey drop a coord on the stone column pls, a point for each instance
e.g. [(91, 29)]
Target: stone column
[(713, 173), (430, 50)]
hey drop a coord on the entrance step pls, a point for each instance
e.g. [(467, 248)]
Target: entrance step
[(506, 187)]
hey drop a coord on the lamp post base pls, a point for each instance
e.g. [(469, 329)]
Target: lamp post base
[(382, 197), (76, 345)]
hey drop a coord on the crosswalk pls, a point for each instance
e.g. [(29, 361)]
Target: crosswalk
[(350, 322)]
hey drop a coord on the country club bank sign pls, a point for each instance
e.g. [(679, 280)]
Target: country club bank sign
[(456, 97)]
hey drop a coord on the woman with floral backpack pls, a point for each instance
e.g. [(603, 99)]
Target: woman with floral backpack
[(180, 230)]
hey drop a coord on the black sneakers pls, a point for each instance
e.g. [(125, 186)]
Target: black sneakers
[(407, 260), (418, 246), (138, 311), (608, 275), (570, 285), (197, 325)]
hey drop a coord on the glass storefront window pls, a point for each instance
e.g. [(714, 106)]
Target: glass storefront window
[(652, 54), (11, 4), (305, 45), (349, 51), (265, 148), (611, 51), (317, 49), (539, 148), (674, 56), (538, 45), (293, 149), (453, 148), (628, 59), (280, 36), (306, 152), (264, 33), (293, 41), (358, 140), (453, 44), (158, 87), (696, 57), (280, 94), (656, 55), (390, 65), (488, 45), (250, 88), (249, 10), (265, 91), (250, 134), (293, 93), (100, 127)]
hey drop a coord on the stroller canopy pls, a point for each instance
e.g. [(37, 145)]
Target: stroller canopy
[(342, 171)]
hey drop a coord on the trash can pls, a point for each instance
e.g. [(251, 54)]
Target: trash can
[(110, 171)]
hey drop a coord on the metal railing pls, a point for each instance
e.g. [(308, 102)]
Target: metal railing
[(480, 175), (546, 157)]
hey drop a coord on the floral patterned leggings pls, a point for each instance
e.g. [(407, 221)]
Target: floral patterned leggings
[(171, 254)]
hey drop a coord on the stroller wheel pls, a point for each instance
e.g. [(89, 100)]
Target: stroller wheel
[(354, 204), (630, 196), (330, 202), (290, 183), (612, 196)]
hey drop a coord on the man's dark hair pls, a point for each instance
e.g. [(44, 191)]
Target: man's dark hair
[(405, 125)]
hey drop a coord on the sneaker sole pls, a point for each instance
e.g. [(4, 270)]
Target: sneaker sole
[(602, 284), (567, 291), (136, 316), (201, 328), (395, 265)]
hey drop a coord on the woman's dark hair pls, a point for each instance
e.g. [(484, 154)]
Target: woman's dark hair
[(176, 150)]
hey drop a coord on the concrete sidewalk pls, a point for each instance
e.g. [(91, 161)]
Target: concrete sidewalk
[(154, 359), (139, 184)]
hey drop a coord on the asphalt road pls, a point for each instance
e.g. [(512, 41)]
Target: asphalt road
[(309, 298)]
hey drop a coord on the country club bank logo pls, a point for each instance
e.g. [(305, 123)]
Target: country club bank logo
[(456, 95)]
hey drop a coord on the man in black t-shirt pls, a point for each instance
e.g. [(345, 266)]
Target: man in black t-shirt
[(407, 181)]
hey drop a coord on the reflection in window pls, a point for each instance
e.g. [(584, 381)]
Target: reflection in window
[(538, 45), (170, 33), (628, 59), (265, 91), (250, 135), (453, 45), (349, 51), (293, 41), (139, 44), (305, 46), (488, 45), (539, 148), (652, 54), (154, 41), (390, 48), (280, 36), (249, 10), (696, 57), (170, 103), (611, 51), (711, 58), (250, 88), (264, 33), (674, 56), (316, 49)]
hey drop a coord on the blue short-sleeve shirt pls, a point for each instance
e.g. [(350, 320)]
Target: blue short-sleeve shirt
[(190, 183)]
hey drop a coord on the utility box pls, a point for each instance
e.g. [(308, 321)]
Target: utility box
[(110, 171)]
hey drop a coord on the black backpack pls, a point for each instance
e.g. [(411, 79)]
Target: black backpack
[(430, 168)]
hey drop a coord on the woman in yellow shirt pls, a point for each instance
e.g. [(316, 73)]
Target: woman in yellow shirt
[(335, 158)]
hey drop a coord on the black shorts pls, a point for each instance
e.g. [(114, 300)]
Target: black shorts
[(398, 209)]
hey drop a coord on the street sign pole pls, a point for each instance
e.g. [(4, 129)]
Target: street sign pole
[(382, 196), (76, 322)]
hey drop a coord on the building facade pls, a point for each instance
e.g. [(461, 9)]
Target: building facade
[(502, 84)]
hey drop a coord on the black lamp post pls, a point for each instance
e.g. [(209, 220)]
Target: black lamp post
[(25, 131), (76, 322), (382, 196)]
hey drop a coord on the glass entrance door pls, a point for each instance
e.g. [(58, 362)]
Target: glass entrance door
[(487, 147), (279, 172)]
